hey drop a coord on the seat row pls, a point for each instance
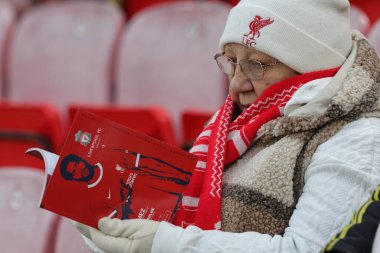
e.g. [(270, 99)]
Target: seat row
[(83, 52), (129, 7), (39, 125)]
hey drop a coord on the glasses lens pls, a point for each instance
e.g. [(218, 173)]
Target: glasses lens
[(252, 69), (225, 64)]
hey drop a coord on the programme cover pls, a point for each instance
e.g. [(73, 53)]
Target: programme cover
[(106, 169)]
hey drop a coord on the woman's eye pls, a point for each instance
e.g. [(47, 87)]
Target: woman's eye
[(233, 60)]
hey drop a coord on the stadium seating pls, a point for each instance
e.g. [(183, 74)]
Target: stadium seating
[(24, 227), (193, 122), (370, 7), (62, 52), (7, 17), (68, 239), (166, 58), (374, 36), (23, 126), (359, 19), (133, 7), (233, 2), (152, 121)]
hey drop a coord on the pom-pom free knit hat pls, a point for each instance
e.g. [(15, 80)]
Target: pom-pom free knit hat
[(306, 35)]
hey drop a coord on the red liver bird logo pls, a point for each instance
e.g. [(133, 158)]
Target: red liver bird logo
[(256, 24)]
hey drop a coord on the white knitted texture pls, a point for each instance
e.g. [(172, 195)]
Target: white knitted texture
[(306, 35)]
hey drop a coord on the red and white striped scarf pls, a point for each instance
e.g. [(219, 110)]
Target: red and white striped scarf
[(222, 142)]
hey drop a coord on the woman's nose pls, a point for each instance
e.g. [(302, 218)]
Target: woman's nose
[(239, 82)]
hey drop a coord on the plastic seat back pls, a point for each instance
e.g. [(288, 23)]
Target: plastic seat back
[(193, 122), (133, 7), (152, 121), (359, 19), (68, 239), (233, 2), (24, 227), (19, 5), (370, 7), (7, 18), (62, 52), (25, 126), (374, 37), (167, 58)]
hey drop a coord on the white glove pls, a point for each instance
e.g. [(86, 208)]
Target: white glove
[(83, 229), (85, 233), (124, 236)]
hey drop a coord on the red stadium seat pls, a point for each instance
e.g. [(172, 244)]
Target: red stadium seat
[(166, 58), (26, 126), (133, 7), (374, 37), (7, 17), (359, 20), (370, 7), (233, 2), (68, 239), (62, 52), (24, 227), (193, 122), (152, 121)]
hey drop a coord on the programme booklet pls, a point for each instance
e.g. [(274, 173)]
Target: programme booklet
[(106, 169)]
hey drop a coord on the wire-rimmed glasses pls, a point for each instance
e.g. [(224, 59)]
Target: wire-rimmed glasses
[(252, 69)]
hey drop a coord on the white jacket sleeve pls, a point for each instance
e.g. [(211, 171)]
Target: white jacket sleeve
[(343, 173)]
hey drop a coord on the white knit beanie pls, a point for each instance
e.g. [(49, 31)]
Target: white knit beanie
[(306, 35)]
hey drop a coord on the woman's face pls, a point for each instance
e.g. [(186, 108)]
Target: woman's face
[(243, 90)]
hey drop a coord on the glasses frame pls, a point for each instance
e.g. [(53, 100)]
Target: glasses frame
[(263, 66)]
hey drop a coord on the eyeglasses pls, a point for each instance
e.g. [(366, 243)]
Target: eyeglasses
[(252, 69)]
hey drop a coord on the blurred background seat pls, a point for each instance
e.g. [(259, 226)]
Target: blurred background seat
[(63, 52), (23, 126), (374, 37), (233, 2), (359, 20), (166, 58), (133, 7), (24, 227), (152, 121), (370, 7), (19, 5), (68, 239), (193, 122), (7, 19)]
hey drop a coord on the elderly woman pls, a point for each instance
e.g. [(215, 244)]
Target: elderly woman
[(293, 151)]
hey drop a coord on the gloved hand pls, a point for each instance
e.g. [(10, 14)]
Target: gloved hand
[(124, 236), (83, 229), (85, 233)]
